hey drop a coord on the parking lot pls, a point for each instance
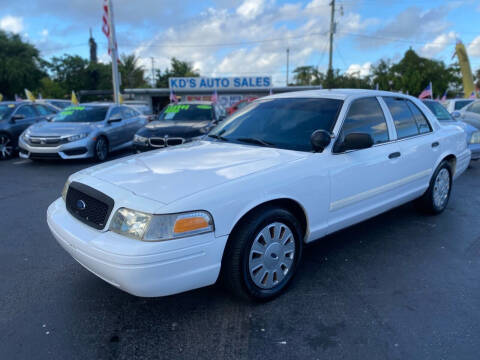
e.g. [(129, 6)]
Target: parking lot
[(400, 286)]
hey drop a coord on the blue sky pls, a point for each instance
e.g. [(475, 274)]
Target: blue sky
[(250, 37)]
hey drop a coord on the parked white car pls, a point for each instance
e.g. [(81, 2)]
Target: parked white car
[(456, 104), (284, 171)]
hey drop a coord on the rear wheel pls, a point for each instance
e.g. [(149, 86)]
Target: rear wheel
[(6, 147), (435, 200), (101, 149), (263, 254)]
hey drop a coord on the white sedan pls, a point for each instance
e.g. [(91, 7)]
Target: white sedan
[(284, 171)]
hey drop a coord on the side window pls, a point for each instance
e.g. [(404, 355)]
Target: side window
[(115, 111), (44, 110), (402, 117), (420, 119), (27, 110), (475, 108), (366, 116)]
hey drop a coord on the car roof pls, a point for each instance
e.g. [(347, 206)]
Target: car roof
[(340, 94), (194, 103), (15, 102)]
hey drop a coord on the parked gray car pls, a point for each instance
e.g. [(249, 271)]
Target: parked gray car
[(83, 131), (473, 132), (15, 117)]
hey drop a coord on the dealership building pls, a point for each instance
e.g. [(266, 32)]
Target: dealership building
[(229, 90)]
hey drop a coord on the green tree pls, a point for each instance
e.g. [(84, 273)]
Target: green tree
[(70, 72), (179, 69), (306, 75), (20, 65), (132, 74)]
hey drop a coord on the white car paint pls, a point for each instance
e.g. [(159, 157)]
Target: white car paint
[(228, 180)]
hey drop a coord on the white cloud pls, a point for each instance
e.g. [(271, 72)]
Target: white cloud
[(242, 49), (250, 9), (44, 33), (438, 44), (359, 70), (474, 47), (11, 23)]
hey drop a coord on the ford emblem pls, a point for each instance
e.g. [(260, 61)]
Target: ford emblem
[(81, 205)]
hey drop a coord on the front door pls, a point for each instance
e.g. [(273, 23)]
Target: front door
[(363, 182)]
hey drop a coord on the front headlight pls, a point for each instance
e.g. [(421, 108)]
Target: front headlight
[(76, 137), (139, 139), (65, 190), (147, 227), (475, 139)]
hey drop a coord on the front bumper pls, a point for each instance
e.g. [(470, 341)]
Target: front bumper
[(140, 268), (142, 146), (80, 149)]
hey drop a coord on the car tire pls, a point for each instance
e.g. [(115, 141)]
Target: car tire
[(435, 199), (7, 148), (100, 149), (263, 254)]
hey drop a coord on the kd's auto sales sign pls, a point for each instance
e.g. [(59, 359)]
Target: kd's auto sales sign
[(219, 83)]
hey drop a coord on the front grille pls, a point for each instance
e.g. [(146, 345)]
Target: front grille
[(46, 156), (48, 141), (157, 142), (165, 141), (88, 205)]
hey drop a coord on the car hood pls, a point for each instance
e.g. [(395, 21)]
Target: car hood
[(60, 129), (185, 129), (173, 173)]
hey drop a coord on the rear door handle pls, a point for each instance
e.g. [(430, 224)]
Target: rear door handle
[(394, 155)]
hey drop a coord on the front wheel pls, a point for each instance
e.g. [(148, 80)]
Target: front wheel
[(6, 147), (101, 149), (435, 200), (263, 254)]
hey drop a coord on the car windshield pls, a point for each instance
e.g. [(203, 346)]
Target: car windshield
[(6, 110), (439, 111), (81, 114), (459, 104), (285, 123), (61, 104), (187, 112)]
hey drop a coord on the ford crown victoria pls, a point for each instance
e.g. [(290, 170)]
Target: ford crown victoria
[(286, 170)]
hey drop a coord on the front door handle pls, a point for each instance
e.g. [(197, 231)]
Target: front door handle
[(394, 155)]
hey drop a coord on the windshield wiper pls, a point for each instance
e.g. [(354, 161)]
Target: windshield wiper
[(254, 140), (218, 137)]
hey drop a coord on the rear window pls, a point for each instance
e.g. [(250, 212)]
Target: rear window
[(80, 114), (187, 112), (402, 117), (438, 110)]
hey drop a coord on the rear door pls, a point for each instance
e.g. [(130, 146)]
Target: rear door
[(418, 147), (134, 121), (116, 130), (363, 182)]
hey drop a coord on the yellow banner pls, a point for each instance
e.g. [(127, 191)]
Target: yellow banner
[(74, 98)]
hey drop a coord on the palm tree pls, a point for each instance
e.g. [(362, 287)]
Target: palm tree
[(132, 73)]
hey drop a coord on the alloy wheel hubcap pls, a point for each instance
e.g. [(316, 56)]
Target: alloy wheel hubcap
[(6, 147), (101, 147), (441, 188), (272, 255)]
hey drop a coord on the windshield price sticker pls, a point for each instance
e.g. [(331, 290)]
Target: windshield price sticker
[(176, 108), (11, 105), (205, 107)]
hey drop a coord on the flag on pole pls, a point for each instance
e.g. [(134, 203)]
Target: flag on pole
[(427, 92), (29, 95), (74, 98), (173, 98), (472, 95), (106, 26), (444, 97), (120, 98), (1, 97), (214, 97)]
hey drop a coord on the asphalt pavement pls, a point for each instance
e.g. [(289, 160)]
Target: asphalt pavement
[(400, 286)]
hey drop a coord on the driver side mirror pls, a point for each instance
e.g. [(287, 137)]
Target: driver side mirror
[(115, 118), (17, 117), (320, 139), (456, 114), (355, 141)]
